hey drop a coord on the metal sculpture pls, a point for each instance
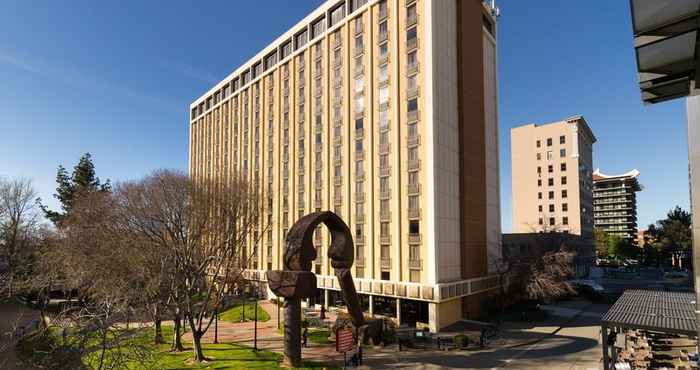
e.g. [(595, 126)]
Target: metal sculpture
[(297, 281)]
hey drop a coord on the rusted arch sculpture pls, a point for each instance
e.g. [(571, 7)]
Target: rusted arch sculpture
[(297, 281)]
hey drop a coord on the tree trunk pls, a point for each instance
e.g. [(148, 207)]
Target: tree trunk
[(197, 341), (177, 339), (158, 339)]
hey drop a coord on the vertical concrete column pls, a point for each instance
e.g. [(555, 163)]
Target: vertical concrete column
[(693, 110), (398, 311), (325, 297), (371, 305), (433, 317)]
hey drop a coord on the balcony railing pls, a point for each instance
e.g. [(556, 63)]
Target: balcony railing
[(414, 165), (414, 238), (385, 194), (359, 133), (413, 115), (412, 92), (413, 213), (384, 148), (337, 42), (412, 44), (360, 217), (384, 171), (415, 264), (360, 240), (385, 215), (360, 197), (338, 180), (360, 261), (413, 189), (359, 155), (411, 20), (385, 263), (413, 140), (385, 239), (412, 68)]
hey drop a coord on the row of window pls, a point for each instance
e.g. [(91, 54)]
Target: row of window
[(550, 155), (564, 208), (550, 168), (315, 29), (553, 222), (562, 140), (550, 181), (550, 194)]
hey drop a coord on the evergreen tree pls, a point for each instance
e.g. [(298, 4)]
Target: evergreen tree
[(83, 180)]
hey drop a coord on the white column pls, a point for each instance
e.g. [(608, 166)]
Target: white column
[(371, 305), (693, 109), (433, 317), (398, 311)]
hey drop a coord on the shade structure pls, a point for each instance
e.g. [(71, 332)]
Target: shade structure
[(659, 311), (666, 41)]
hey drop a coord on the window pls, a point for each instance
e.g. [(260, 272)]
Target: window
[(412, 82), (550, 182), (384, 120), (359, 84), (337, 14), (550, 168), (384, 95), (563, 167), (411, 14), (551, 221), (562, 152), (549, 141), (539, 169), (563, 180), (565, 220), (383, 30), (384, 74), (286, 49), (386, 275), (412, 34), (539, 182), (413, 202), (539, 156), (359, 123), (384, 229), (359, 44), (359, 104), (539, 208), (564, 193), (551, 195), (541, 222), (383, 50), (414, 227), (412, 130), (358, 146), (562, 139), (412, 154), (319, 27), (565, 207), (413, 105), (539, 143), (551, 208), (539, 195), (549, 155), (412, 59), (301, 39)]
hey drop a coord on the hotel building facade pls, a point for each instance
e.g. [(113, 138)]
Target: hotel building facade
[(615, 203), (384, 112), (552, 181)]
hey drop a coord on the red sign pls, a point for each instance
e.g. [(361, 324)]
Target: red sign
[(343, 340)]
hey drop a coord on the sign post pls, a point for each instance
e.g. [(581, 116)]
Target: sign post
[(343, 342)]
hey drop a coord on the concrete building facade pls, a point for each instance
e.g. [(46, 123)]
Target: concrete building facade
[(384, 112), (615, 203), (552, 182)]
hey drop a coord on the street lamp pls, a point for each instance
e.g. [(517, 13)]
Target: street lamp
[(255, 308), (216, 326)]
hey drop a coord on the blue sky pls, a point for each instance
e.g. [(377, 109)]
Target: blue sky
[(116, 79)]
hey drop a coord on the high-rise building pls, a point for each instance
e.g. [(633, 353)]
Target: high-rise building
[(384, 112), (615, 203), (552, 177)]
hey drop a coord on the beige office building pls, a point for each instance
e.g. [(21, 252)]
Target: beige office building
[(386, 113), (552, 180)]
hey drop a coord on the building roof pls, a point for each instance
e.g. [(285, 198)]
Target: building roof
[(669, 312), (665, 41)]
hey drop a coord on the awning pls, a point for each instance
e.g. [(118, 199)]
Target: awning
[(666, 40), (660, 311)]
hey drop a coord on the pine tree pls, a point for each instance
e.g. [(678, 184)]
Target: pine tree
[(83, 180)]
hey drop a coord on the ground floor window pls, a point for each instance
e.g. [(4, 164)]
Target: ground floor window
[(413, 312), (385, 306), (335, 299)]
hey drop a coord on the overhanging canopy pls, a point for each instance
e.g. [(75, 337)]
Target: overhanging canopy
[(661, 311), (666, 40)]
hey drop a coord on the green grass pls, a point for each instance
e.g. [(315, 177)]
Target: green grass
[(235, 313), (220, 356), (319, 336)]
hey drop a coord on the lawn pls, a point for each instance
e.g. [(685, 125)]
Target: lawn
[(220, 356), (234, 313), (319, 336)]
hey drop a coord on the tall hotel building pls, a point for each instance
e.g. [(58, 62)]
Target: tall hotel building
[(384, 112), (552, 180), (615, 203)]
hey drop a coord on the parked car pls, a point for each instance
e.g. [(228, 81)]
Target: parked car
[(588, 288)]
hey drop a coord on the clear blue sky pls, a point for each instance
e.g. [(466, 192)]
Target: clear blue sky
[(115, 79)]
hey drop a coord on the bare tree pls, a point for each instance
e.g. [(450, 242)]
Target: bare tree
[(206, 231), (19, 230)]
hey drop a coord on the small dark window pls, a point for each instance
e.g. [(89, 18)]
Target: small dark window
[(539, 195), (359, 123), (549, 141), (565, 220), (562, 139), (563, 166), (550, 168), (541, 222), (563, 180), (539, 169), (386, 275), (565, 207), (539, 143), (413, 105), (411, 34), (487, 24), (539, 182), (551, 208), (551, 195), (550, 182), (551, 221), (414, 227), (539, 208), (564, 194)]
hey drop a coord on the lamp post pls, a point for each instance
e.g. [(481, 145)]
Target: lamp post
[(255, 335), (216, 326)]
